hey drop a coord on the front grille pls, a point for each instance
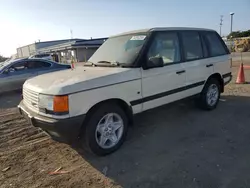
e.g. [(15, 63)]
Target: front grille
[(30, 99)]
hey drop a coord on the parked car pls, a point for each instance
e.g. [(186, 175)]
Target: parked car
[(43, 56), (130, 73), (14, 73)]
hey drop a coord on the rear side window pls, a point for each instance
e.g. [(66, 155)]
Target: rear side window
[(38, 64), (215, 45), (192, 45)]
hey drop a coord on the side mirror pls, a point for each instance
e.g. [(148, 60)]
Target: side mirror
[(154, 62)]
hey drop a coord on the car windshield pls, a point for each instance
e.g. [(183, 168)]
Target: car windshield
[(4, 64), (120, 49)]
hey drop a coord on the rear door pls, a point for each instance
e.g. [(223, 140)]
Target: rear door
[(40, 67), (196, 63), (219, 55)]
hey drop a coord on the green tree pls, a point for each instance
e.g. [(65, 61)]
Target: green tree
[(238, 34)]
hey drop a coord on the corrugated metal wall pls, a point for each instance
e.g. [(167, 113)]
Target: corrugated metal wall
[(50, 43), (84, 54), (26, 51)]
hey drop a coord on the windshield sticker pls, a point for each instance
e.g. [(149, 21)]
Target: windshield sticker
[(138, 37)]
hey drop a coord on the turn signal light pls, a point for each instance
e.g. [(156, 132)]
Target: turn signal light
[(61, 104)]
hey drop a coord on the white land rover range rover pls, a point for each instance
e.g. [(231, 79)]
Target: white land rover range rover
[(130, 73)]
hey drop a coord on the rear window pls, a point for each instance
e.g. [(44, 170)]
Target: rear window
[(216, 46)]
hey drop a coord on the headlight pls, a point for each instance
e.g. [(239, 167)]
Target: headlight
[(46, 101), (54, 104)]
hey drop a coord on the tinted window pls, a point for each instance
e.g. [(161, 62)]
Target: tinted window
[(19, 66), (165, 45), (216, 46), (38, 64), (192, 45), (42, 55)]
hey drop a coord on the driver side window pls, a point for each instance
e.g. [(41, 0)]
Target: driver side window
[(18, 67), (166, 46)]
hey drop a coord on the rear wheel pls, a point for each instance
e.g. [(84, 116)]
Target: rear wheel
[(210, 95), (106, 129)]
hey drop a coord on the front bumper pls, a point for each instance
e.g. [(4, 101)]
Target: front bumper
[(62, 130)]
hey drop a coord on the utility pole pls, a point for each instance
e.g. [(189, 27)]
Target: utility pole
[(231, 16), (221, 23), (231, 30), (71, 33)]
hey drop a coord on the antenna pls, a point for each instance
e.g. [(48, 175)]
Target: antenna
[(221, 23)]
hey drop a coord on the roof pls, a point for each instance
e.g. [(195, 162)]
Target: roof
[(51, 41), (70, 44), (62, 40), (162, 29)]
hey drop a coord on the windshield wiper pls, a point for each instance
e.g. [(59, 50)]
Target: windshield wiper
[(101, 64), (115, 63)]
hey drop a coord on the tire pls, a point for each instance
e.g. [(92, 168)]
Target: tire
[(204, 101), (90, 136)]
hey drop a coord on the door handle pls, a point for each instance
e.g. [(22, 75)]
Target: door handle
[(180, 72), (209, 65)]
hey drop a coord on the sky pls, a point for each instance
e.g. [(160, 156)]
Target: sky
[(25, 21)]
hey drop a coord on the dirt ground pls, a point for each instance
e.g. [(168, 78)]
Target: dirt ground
[(173, 146)]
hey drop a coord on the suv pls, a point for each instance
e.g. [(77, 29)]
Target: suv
[(130, 73)]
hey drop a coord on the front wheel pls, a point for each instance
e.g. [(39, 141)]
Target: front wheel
[(210, 95), (106, 129)]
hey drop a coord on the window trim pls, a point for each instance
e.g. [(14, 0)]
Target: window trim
[(204, 43)]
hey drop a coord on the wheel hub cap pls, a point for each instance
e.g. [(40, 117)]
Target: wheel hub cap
[(212, 95), (109, 130)]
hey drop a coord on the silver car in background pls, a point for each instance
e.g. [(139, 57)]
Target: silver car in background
[(14, 73)]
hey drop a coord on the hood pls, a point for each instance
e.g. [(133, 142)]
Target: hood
[(80, 79)]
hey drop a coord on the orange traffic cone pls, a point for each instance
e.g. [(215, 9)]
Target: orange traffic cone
[(241, 75)]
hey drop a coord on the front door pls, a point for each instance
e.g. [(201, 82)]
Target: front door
[(163, 84), (15, 76)]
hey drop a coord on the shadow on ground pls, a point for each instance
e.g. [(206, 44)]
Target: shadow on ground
[(179, 145)]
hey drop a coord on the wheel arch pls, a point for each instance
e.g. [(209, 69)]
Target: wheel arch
[(121, 103), (218, 77)]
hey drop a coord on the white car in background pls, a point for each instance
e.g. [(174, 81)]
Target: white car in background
[(42, 56)]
